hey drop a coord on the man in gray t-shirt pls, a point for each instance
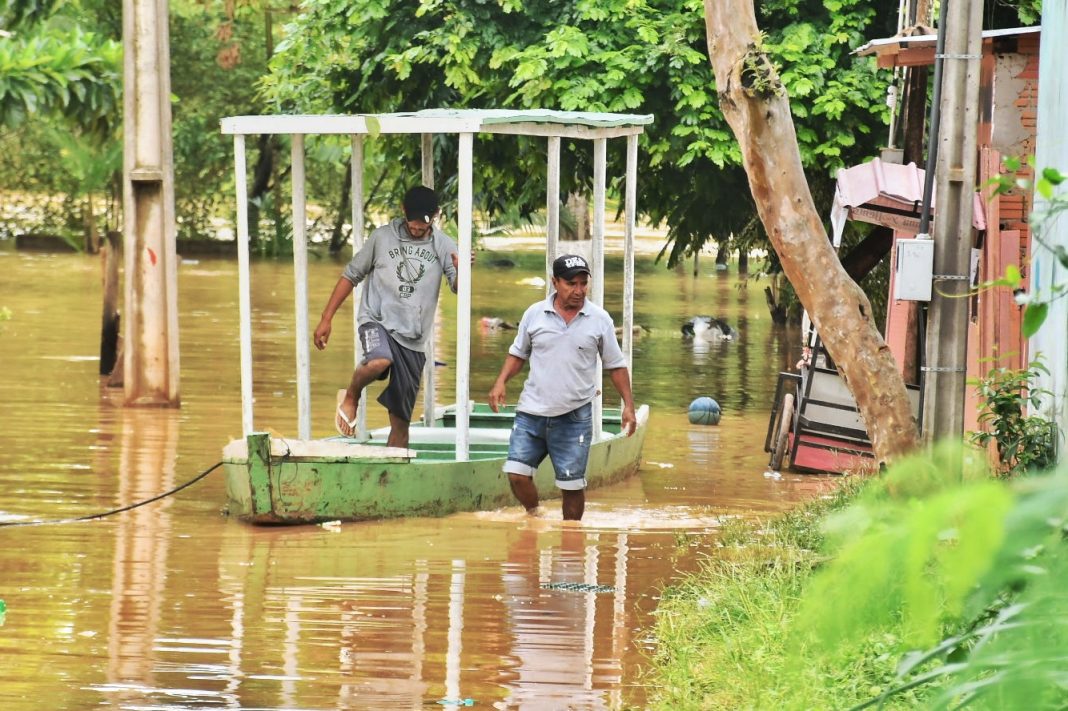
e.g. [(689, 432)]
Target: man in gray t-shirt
[(401, 266), (562, 337)]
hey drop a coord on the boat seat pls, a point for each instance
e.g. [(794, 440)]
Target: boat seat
[(447, 435), (336, 448)]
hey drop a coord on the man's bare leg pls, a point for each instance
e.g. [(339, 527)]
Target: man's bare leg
[(363, 376), (574, 504), (398, 431), (525, 491)]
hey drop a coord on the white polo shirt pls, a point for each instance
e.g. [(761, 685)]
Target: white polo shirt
[(563, 356)]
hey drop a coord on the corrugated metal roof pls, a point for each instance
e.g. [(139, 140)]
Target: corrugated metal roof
[(885, 44), (867, 181), (877, 185)]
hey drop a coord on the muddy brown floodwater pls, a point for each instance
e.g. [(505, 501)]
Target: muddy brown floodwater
[(175, 606)]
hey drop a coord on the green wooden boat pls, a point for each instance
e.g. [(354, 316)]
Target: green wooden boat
[(454, 459), (287, 481)]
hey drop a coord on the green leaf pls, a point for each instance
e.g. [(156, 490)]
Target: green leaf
[(1053, 176), (374, 126), (1034, 317), (1044, 188), (1012, 276)]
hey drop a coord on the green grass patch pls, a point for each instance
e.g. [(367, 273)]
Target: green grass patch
[(725, 638), (935, 585)]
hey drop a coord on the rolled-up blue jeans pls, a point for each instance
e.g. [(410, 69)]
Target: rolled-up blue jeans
[(565, 439)]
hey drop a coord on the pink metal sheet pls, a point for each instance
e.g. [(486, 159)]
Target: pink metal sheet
[(864, 188)]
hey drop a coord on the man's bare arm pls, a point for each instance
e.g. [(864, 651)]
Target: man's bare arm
[(341, 292), (621, 381), (512, 366)]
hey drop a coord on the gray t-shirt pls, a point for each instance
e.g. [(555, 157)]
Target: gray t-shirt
[(563, 356), (401, 292)]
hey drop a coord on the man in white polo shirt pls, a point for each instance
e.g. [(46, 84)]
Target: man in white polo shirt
[(561, 337)]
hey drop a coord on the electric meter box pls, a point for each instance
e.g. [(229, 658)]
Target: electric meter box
[(915, 270)]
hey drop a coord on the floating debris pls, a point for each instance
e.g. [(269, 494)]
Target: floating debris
[(456, 702), (578, 587)]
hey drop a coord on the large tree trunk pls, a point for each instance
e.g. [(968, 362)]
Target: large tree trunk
[(754, 102), (577, 226)]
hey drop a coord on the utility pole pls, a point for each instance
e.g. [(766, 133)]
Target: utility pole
[(149, 230), (947, 328)]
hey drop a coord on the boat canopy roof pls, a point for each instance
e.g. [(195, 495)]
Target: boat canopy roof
[(554, 126), (533, 122)]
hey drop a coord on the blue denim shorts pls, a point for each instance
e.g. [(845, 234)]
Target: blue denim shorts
[(565, 438)]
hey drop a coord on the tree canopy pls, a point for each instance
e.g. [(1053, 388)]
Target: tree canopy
[(73, 74), (637, 56)]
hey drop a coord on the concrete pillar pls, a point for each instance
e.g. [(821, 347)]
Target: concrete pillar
[(955, 182), (151, 293)]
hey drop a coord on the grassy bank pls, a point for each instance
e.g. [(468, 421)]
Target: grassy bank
[(724, 638), (935, 585)]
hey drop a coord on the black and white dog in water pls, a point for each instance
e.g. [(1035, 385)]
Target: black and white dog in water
[(708, 328)]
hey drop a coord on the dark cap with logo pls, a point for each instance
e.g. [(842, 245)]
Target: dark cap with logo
[(420, 203), (569, 265)]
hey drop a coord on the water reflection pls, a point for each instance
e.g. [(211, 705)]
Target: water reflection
[(148, 447), (173, 606), (500, 631)]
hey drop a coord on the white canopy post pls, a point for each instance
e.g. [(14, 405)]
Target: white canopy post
[(552, 208), (244, 282), (357, 297), (429, 394), (630, 206), (463, 306), (600, 146), (300, 289)]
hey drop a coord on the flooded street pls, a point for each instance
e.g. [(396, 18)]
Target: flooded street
[(175, 606)]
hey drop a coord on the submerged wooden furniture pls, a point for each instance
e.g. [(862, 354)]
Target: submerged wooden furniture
[(454, 458)]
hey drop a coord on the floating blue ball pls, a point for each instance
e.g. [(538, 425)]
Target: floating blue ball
[(704, 411)]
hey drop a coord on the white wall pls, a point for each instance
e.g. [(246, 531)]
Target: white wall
[(1052, 151)]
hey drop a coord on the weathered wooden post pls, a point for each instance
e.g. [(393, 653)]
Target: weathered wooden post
[(151, 318), (109, 326)]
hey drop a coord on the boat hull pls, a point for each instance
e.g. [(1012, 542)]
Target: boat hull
[(271, 485)]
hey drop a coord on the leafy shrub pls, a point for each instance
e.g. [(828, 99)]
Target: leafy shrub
[(1024, 442)]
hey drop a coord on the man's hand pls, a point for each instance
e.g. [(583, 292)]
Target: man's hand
[(322, 334), (496, 396), (629, 421), (456, 259)]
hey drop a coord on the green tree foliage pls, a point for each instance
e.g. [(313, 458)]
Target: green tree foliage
[(636, 56), (218, 52), (15, 14), (60, 97), (73, 74)]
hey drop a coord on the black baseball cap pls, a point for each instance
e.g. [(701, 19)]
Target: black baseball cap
[(420, 203), (568, 265)]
